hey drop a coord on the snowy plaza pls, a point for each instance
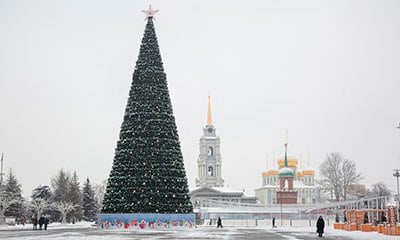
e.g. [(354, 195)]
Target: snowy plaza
[(178, 166), (84, 231)]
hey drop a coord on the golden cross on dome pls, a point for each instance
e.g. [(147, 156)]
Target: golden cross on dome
[(150, 12)]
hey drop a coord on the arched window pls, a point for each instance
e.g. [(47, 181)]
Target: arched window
[(210, 151), (210, 171)]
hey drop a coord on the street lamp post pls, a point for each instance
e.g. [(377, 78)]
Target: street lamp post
[(397, 175)]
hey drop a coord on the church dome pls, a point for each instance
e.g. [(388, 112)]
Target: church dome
[(292, 161), (286, 172), (271, 172)]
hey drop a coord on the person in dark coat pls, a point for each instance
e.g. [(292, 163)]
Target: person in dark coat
[(320, 226), (34, 222), (45, 222), (337, 218), (273, 222), (23, 220), (383, 218), (40, 222), (366, 220), (219, 223)]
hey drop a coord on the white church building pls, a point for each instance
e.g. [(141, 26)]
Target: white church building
[(308, 192)]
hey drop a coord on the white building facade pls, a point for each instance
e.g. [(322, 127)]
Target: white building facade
[(304, 183)]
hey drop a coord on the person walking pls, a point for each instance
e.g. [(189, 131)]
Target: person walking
[(273, 222), (383, 218), (320, 226), (40, 222), (34, 222), (219, 223), (45, 222), (366, 220)]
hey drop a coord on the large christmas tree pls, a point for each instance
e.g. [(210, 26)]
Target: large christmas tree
[(148, 175)]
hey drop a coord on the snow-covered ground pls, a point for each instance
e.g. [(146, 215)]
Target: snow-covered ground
[(86, 231)]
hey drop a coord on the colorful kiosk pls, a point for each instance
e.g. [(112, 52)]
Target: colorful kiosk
[(357, 220)]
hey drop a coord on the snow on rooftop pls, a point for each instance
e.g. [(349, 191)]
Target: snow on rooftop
[(226, 190)]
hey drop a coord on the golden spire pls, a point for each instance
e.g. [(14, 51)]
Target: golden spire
[(209, 117)]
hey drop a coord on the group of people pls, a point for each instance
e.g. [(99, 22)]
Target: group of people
[(43, 220), (320, 225)]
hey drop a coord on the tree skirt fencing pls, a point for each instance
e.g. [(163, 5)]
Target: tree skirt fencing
[(145, 220)]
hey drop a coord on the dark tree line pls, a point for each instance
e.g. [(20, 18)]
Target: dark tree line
[(11, 197), (65, 192)]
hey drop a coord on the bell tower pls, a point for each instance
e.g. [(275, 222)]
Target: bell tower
[(286, 194), (209, 161)]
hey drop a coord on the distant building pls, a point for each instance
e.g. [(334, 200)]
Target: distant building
[(308, 192), (356, 191), (209, 183)]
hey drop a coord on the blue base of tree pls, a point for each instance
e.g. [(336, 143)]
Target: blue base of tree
[(145, 220)]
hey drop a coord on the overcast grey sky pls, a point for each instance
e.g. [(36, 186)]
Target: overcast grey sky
[(328, 71)]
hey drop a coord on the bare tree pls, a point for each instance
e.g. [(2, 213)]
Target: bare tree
[(349, 176), (39, 206), (99, 190), (331, 173), (64, 208), (338, 174)]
